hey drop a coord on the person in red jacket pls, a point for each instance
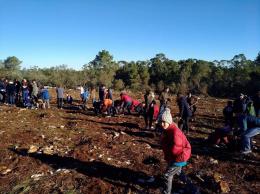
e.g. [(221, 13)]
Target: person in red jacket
[(176, 149), (126, 102)]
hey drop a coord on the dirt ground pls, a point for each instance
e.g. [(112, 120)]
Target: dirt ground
[(74, 151)]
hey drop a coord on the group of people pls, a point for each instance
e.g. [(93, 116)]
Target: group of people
[(242, 114), (23, 93), (242, 120), (149, 107), (176, 147)]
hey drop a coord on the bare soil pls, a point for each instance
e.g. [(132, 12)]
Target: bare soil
[(75, 151)]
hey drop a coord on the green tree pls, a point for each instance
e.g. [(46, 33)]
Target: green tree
[(101, 70), (158, 69), (143, 71), (118, 84), (2, 65), (12, 63), (257, 60), (185, 75), (129, 73), (199, 76)]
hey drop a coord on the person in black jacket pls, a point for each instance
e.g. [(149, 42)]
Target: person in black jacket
[(10, 91), (228, 113), (184, 111)]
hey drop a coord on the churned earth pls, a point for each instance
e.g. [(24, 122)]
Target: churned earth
[(74, 151)]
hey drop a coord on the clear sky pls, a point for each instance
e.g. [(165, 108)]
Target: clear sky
[(53, 32)]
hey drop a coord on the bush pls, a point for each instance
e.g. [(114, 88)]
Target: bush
[(119, 84)]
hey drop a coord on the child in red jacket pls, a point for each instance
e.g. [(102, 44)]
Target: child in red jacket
[(176, 148)]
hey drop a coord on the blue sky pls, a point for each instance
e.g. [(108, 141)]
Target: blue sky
[(47, 33)]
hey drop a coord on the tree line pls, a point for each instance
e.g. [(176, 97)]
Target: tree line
[(225, 78)]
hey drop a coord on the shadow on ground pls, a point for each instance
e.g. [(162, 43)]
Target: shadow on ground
[(115, 175)]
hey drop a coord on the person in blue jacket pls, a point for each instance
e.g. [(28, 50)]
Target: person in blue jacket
[(45, 97)]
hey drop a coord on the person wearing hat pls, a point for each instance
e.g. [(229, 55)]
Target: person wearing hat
[(176, 149)]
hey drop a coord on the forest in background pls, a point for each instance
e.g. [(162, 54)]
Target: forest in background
[(225, 78)]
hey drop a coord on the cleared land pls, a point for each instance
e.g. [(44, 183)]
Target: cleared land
[(74, 151)]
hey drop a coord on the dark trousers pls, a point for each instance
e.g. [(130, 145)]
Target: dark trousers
[(127, 105), (11, 99), (184, 124), (148, 117), (168, 176), (59, 102)]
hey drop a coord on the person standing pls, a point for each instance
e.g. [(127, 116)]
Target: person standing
[(10, 91), (149, 109), (176, 149), (45, 97), (185, 112), (81, 93), (60, 94), (101, 93), (85, 98), (163, 98), (25, 93), (35, 92), (192, 101), (18, 92)]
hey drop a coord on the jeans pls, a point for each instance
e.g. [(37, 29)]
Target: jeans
[(168, 177), (127, 105), (11, 99), (172, 170), (246, 138)]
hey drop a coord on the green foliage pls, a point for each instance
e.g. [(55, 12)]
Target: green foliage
[(257, 60), (143, 71), (101, 70), (134, 75), (224, 78), (119, 84), (10, 74), (12, 63), (158, 69), (2, 65)]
